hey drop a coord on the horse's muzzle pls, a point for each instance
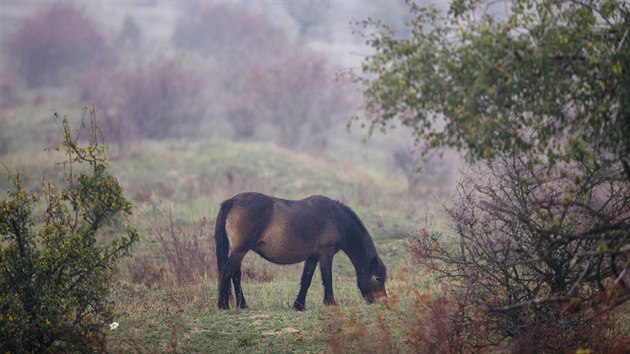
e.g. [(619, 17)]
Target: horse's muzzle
[(377, 296)]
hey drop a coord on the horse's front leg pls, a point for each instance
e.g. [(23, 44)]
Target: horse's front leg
[(305, 283), (325, 265)]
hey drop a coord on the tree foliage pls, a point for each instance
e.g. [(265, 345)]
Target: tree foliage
[(230, 33), (550, 76), (55, 268)]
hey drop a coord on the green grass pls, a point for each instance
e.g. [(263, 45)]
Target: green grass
[(191, 179), (185, 319), (188, 317)]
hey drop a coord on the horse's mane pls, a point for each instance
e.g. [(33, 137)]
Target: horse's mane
[(359, 230)]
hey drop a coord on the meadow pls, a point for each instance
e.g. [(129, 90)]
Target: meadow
[(164, 295), (193, 123), (509, 235)]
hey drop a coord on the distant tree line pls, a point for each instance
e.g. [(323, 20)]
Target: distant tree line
[(228, 64)]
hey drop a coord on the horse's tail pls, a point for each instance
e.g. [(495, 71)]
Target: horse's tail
[(220, 238)]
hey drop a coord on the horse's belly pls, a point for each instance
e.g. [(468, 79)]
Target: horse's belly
[(282, 253)]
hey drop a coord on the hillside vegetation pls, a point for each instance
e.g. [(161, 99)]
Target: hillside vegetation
[(484, 145), (166, 303)]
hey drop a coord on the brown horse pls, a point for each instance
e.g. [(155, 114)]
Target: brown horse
[(291, 231)]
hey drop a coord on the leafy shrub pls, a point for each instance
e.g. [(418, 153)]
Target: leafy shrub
[(56, 268), (60, 36)]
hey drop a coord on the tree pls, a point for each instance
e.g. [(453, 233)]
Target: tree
[(55, 270), (310, 16), (547, 83), (59, 36), (558, 70), (540, 99), (263, 76)]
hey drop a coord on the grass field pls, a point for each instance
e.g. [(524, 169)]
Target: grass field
[(190, 120), (164, 295), (191, 181), (187, 180)]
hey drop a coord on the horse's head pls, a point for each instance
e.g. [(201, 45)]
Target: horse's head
[(372, 281)]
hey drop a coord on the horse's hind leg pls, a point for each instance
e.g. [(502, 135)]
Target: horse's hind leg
[(232, 272), (238, 290), (305, 283)]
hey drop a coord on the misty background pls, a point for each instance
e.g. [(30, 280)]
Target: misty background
[(266, 71)]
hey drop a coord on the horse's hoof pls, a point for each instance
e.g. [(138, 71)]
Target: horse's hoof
[(298, 307)]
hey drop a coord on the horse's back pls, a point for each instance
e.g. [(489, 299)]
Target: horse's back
[(281, 230)]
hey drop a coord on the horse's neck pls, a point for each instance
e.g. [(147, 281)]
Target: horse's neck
[(360, 249), (359, 245)]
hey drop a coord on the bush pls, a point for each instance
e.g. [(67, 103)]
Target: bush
[(156, 99), (541, 247), (60, 36), (56, 269), (230, 33), (295, 92), (415, 322), (265, 77), (187, 247)]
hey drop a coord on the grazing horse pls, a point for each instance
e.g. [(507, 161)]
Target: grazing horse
[(291, 231)]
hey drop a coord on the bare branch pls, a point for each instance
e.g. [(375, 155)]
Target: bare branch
[(539, 301)]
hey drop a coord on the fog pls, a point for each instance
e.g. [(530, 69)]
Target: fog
[(270, 71)]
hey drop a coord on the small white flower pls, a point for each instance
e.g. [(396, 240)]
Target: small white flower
[(113, 325)]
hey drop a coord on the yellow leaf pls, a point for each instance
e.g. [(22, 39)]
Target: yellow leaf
[(616, 68)]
